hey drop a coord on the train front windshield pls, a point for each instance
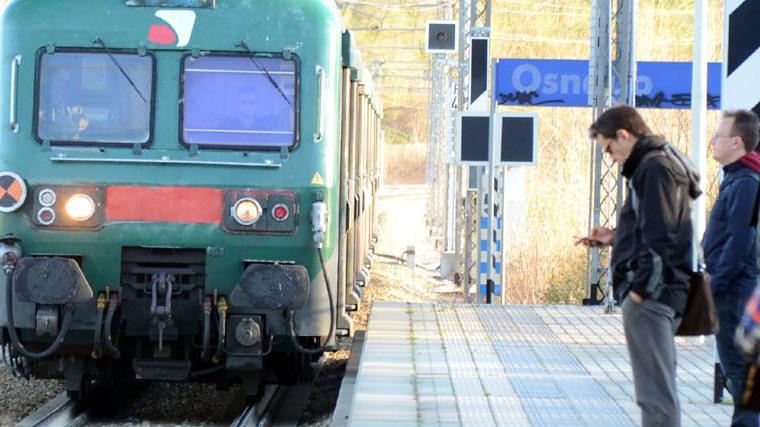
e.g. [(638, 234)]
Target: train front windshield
[(239, 101), (86, 97)]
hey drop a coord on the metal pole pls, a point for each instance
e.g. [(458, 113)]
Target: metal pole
[(699, 153), (464, 241), (490, 182), (481, 203), (470, 229), (607, 185), (451, 202), (600, 69), (699, 117)]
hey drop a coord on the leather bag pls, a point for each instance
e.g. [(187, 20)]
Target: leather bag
[(700, 316), (751, 397)]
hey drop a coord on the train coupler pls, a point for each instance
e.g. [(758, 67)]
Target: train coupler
[(162, 324)]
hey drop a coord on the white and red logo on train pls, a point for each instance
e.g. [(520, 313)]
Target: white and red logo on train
[(176, 31)]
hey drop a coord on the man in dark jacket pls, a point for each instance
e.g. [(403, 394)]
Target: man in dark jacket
[(651, 254), (729, 244)]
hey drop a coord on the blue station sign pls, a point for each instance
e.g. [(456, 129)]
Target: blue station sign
[(564, 83)]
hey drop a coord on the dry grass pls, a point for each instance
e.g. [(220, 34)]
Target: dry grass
[(543, 264), (405, 164)]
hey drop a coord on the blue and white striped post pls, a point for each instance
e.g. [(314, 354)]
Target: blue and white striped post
[(493, 247)]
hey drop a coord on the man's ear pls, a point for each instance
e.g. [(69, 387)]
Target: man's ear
[(623, 134), (738, 142)]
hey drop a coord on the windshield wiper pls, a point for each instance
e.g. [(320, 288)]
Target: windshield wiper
[(244, 46), (123, 72)]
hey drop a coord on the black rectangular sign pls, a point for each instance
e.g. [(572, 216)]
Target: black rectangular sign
[(479, 69), (517, 139), (475, 133)]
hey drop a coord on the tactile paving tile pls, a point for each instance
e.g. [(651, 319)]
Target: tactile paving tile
[(512, 365), (552, 383)]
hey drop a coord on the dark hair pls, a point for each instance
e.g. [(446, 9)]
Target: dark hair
[(619, 117), (746, 126)]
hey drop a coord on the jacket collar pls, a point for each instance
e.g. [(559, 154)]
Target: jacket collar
[(733, 167), (644, 145), (737, 168), (751, 160)]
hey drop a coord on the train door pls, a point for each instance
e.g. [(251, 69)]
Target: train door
[(353, 293), (344, 327)]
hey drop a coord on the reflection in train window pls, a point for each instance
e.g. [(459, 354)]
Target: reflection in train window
[(239, 101), (94, 98)]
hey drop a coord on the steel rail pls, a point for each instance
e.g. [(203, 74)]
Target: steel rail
[(261, 413), (61, 411)]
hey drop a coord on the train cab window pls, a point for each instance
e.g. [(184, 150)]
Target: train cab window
[(94, 98), (239, 101)]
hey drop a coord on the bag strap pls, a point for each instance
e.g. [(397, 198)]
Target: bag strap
[(756, 208), (673, 154)]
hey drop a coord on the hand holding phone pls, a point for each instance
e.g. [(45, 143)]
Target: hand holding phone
[(598, 237)]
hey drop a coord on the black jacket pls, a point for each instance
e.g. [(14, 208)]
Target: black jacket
[(651, 254)]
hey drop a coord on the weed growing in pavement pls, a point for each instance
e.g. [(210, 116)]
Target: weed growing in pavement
[(412, 343)]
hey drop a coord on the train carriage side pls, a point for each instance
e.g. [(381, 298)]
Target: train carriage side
[(361, 114), (183, 172)]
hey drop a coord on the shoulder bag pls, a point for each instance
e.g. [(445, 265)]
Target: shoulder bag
[(700, 316)]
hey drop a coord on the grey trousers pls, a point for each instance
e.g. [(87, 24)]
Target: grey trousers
[(649, 332)]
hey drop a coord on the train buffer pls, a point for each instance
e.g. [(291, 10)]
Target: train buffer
[(508, 365)]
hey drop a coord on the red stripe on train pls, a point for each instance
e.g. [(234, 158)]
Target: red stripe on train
[(164, 204)]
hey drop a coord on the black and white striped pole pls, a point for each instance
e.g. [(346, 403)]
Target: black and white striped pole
[(741, 55), (492, 250)]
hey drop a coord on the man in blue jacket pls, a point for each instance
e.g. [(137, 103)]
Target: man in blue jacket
[(729, 244)]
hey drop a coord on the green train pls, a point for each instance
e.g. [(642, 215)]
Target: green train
[(186, 189)]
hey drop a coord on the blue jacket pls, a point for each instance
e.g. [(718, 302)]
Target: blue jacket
[(729, 243)]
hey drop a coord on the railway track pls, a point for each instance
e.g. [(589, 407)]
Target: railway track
[(279, 406), (61, 411), (283, 408), (261, 413)]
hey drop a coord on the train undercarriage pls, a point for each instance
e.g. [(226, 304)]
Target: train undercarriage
[(161, 324)]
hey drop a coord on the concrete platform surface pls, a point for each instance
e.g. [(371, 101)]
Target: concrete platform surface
[(512, 365)]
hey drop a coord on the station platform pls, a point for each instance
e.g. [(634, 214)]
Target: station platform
[(508, 365)]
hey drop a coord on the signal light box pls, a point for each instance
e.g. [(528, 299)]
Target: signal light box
[(480, 56), (473, 134), (441, 37), (514, 135)]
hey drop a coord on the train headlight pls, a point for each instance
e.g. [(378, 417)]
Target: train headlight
[(246, 211), (80, 207)]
